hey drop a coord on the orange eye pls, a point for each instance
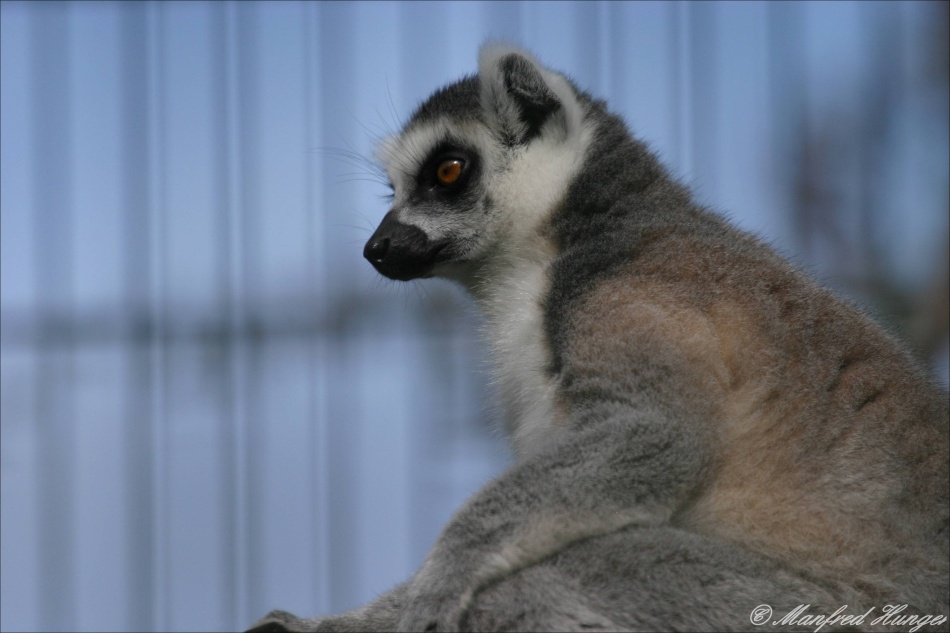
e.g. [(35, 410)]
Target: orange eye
[(449, 171)]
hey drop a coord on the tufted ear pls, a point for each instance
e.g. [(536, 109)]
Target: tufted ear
[(523, 97)]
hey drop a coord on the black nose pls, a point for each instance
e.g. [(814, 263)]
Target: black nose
[(375, 250), (403, 251)]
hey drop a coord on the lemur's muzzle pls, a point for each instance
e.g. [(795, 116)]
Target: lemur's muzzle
[(402, 251)]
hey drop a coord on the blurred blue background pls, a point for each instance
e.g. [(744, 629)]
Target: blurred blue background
[(211, 406)]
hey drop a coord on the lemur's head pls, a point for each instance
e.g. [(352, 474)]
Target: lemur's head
[(479, 168)]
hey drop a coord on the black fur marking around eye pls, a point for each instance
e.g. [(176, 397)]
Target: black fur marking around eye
[(427, 180)]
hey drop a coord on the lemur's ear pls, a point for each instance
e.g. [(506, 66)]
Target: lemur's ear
[(523, 97)]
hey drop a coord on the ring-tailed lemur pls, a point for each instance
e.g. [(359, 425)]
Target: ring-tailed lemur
[(700, 428)]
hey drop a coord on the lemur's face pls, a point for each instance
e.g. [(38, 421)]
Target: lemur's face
[(441, 219), (479, 166)]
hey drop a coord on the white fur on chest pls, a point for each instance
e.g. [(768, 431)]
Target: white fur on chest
[(521, 355)]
